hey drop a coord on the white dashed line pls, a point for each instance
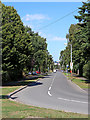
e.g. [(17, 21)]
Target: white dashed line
[(53, 80), (49, 93), (51, 86), (72, 100), (63, 98)]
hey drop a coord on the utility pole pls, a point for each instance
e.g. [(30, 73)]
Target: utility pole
[(71, 64)]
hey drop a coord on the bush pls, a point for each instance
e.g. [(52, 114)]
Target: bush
[(13, 75), (86, 70), (5, 76)]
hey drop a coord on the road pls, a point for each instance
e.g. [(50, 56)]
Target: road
[(55, 92)]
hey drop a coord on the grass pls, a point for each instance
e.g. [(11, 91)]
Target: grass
[(81, 83), (12, 109), (7, 90)]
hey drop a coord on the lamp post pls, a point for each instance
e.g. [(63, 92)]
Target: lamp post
[(71, 63)]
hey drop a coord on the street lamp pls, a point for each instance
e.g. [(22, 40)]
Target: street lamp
[(71, 63)]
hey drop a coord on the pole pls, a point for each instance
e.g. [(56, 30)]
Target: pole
[(71, 53), (71, 61)]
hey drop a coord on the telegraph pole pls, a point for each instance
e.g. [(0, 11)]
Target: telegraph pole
[(71, 64)]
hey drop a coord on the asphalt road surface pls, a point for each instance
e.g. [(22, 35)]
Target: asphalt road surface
[(55, 92)]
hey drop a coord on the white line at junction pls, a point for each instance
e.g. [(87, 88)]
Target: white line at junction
[(72, 100)]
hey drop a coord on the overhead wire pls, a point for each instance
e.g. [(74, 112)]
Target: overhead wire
[(57, 20)]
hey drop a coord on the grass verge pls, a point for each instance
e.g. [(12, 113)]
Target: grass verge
[(80, 82), (12, 109)]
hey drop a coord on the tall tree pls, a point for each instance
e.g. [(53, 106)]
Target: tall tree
[(84, 22), (16, 43), (79, 37)]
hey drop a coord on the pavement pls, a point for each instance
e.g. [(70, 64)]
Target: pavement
[(55, 92)]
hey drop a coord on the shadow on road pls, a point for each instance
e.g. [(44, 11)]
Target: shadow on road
[(29, 85), (35, 83)]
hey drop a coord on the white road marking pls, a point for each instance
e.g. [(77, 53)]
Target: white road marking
[(53, 80), (72, 100), (62, 98), (49, 93), (51, 86)]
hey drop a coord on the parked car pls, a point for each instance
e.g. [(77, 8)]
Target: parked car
[(29, 73), (54, 71), (34, 73), (37, 72)]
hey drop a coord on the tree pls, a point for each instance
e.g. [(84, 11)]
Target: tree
[(0, 41), (16, 44), (22, 49), (84, 22), (40, 54), (79, 37)]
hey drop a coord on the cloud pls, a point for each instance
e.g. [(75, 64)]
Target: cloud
[(30, 17), (50, 38), (58, 39)]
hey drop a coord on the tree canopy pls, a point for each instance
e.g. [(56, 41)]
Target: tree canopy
[(22, 49), (79, 37)]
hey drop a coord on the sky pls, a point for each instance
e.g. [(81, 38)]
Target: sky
[(51, 20)]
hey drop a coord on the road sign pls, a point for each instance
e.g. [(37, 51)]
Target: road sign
[(71, 65)]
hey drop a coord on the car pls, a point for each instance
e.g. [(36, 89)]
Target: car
[(38, 72), (54, 71), (34, 73), (29, 73)]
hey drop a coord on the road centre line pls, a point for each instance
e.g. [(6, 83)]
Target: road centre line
[(52, 82), (49, 93), (72, 100), (51, 86), (63, 98)]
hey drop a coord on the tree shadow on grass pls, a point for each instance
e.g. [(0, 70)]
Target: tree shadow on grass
[(6, 97), (86, 81), (26, 80)]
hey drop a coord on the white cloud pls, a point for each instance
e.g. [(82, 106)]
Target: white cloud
[(50, 38), (58, 39), (30, 17)]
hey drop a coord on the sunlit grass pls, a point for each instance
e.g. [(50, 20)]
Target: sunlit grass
[(81, 83), (11, 109)]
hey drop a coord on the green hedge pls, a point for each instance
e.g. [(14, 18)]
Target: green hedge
[(86, 70)]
